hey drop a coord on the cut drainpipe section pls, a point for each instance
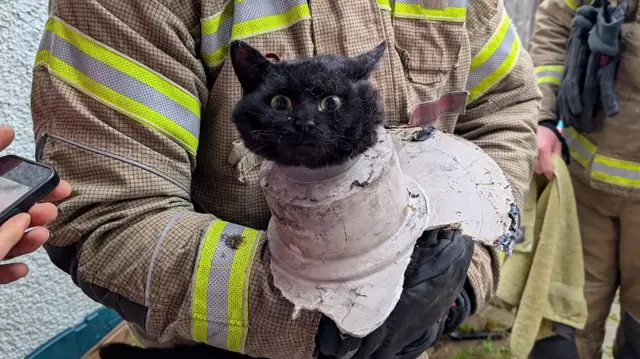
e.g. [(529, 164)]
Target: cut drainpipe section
[(341, 237)]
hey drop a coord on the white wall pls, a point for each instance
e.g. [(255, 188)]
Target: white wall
[(36, 308)]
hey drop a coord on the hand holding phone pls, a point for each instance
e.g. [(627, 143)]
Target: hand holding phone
[(18, 194)]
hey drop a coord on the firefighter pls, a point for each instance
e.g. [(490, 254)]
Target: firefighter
[(587, 58), (131, 102)]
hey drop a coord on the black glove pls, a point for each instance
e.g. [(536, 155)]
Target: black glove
[(434, 280), (593, 52), (569, 94)]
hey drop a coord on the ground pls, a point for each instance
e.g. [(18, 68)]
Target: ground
[(498, 349)]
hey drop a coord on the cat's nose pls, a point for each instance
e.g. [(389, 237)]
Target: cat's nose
[(304, 125)]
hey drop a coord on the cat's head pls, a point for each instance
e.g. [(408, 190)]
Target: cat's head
[(312, 112)]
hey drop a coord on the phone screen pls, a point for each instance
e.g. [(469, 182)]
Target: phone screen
[(11, 191), (19, 178)]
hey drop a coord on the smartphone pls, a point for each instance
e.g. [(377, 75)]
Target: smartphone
[(22, 184)]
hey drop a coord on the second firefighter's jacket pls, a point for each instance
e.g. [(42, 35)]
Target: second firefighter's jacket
[(608, 160)]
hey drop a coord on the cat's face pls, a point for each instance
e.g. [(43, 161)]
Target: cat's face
[(314, 112)]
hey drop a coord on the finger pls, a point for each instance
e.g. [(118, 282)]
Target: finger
[(29, 242), (43, 213), (12, 272), (6, 136), (62, 191), (546, 163), (537, 168), (11, 232)]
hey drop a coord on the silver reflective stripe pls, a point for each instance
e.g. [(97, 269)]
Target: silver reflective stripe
[(579, 148), (614, 171), (450, 3), (458, 3), (120, 82), (214, 41), (550, 73), (218, 293), (255, 9), (495, 60), (241, 13)]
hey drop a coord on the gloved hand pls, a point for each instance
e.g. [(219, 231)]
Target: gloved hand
[(434, 301), (593, 52), (599, 84), (569, 94)]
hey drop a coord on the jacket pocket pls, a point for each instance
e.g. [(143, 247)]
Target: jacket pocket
[(429, 49), (246, 164)]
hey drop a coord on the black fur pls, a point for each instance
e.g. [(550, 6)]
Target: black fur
[(305, 135)]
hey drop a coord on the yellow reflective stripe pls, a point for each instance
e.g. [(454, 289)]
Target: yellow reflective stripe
[(583, 140), (119, 102), (384, 4), (573, 4), (124, 64), (495, 60), (221, 289), (549, 74), (603, 168), (492, 45), (239, 291), (120, 83), (578, 157), (270, 23), (242, 19), (215, 58), (617, 163), (615, 171), (550, 68), (456, 14), (212, 25), (199, 308), (580, 148), (216, 33), (615, 180), (548, 80)]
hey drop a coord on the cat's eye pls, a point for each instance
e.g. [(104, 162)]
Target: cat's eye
[(330, 103), (280, 103)]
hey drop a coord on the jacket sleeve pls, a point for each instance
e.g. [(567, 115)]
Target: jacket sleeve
[(117, 91), (548, 48), (502, 109)]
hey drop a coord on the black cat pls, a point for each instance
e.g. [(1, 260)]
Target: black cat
[(312, 112)]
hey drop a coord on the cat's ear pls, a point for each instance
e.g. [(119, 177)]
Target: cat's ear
[(248, 64), (362, 66)]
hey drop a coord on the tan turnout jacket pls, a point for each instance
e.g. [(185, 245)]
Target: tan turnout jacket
[(132, 101), (609, 160)]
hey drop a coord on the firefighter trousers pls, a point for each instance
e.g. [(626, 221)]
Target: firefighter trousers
[(610, 231)]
